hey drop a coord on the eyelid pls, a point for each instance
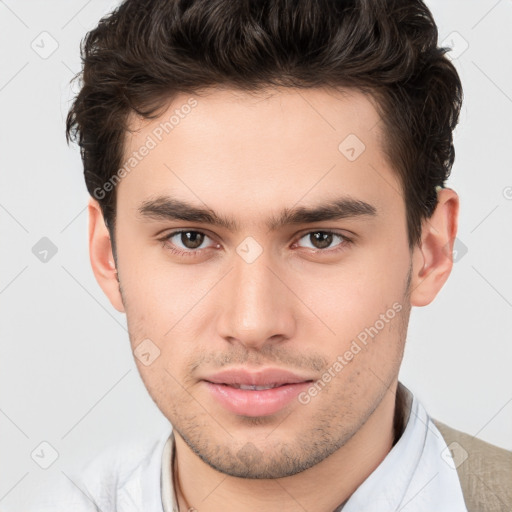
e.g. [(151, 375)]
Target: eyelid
[(166, 238), (346, 241), (347, 235)]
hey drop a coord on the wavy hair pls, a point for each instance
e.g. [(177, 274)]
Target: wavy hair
[(146, 51)]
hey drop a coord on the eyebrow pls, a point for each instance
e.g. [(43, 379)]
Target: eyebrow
[(169, 208)]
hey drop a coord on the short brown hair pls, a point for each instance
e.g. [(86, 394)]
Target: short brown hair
[(147, 51)]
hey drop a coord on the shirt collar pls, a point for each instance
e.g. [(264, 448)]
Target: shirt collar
[(413, 477)]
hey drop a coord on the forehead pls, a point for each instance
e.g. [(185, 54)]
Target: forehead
[(228, 147), (287, 113)]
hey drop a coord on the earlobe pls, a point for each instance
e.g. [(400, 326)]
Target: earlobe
[(101, 256), (432, 258)]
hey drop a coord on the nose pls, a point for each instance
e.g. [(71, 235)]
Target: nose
[(258, 305)]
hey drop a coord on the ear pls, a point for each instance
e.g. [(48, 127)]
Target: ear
[(433, 256), (101, 256)]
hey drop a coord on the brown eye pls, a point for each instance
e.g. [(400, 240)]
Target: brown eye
[(191, 239), (185, 242), (323, 239)]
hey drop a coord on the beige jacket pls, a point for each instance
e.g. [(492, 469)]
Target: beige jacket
[(485, 475)]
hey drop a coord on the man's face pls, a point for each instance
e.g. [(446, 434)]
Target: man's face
[(265, 299)]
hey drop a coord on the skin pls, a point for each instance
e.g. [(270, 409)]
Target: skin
[(295, 307)]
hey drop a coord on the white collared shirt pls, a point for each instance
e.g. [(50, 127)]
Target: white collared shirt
[(415, 476)]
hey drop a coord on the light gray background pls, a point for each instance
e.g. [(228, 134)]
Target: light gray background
[(67, 374)]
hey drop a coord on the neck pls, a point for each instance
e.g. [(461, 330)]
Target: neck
[(322, 487)]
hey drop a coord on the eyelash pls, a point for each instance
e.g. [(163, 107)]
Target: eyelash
[(196, 252)]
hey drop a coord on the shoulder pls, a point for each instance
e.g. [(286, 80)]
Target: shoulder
[(127, 474), (485, 470), (124, 477)]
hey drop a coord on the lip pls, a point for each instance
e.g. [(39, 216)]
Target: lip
[(254, 403), (265, 377)]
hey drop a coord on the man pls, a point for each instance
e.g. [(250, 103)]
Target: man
[(267, 205)]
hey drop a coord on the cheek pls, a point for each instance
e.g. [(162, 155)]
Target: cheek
[(158, 294), (165, 387), (351, 297)]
